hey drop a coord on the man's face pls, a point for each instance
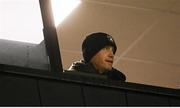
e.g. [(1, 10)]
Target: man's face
[(103, 60)]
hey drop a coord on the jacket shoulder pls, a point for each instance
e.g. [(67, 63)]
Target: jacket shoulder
[(77, 66)]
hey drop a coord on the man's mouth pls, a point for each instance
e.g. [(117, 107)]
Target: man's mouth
[(109, 61)]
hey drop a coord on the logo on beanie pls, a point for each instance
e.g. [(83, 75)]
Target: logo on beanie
[(110, 38)]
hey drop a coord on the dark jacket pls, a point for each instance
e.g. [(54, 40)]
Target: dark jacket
[(81, 66)]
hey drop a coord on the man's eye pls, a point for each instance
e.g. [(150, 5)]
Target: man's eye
[(107, 48)]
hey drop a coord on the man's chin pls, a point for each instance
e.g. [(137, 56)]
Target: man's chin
[(109, 68)]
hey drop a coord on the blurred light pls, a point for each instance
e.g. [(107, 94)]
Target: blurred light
[(62, 8), (20, 20)]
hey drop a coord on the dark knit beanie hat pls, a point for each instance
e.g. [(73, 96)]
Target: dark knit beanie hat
[(94, 42)]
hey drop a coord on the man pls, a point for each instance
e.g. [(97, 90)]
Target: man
[(98, 52)]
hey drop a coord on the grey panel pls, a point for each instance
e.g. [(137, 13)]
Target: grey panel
[(141, 99), (37, 57), (56, 93), (23, 54), (18, 91), (96, 96), (13, 53)]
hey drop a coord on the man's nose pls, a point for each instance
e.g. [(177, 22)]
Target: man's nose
[(111, 54)]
